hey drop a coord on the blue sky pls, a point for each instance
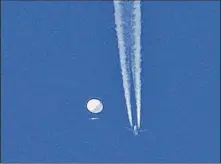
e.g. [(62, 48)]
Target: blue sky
[(58, 55)]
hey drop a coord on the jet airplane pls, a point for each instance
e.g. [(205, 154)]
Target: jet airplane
[(135, 130)]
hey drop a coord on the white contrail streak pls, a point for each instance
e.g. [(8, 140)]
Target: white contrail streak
[(123, 57), (136, 57)]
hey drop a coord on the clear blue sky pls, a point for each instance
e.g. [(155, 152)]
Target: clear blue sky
[(57, 55)]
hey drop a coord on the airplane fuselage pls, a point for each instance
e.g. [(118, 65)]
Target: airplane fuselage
[(135, 130)]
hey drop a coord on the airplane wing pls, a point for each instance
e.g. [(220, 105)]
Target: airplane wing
[(143, 130), (128, 128)]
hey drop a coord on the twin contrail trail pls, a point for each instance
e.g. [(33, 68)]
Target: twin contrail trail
[(128, 28)]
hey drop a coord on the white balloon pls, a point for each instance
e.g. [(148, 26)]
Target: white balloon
[(95, 106)]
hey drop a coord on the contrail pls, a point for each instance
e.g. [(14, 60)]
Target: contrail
[(136, 57), (123, 57), (128, 27)]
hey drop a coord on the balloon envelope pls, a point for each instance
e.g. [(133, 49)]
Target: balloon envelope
[(95, 106)]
